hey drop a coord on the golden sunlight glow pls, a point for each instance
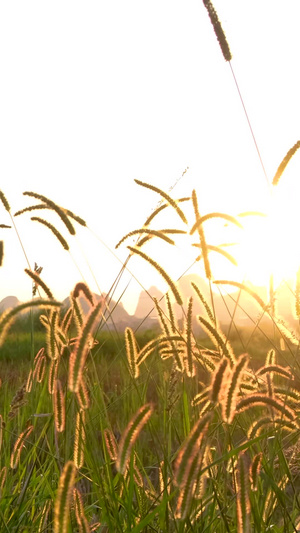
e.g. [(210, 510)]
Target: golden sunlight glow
[(266, 245), (270, 244)]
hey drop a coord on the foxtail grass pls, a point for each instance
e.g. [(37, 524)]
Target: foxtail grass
[(55, 232), (232, 388), (52, 205), (217, 380), (243, 495), (3, 475), (218, 339), (209, 216), (285, 162), (161, 234), (83, 288), (218, 30), (161, 208), (131, 434), (82, 395), (132, 352), (59, 406), (4, 201), (39, 369), (188, 359), (79, 355), (201, 234), (8, 317), (206, 306), (244, 287), (189, 450), (111, 444), (19, 445), (264, 400), (255, 469), (81, 519), (63, 498), (166, 197), (161, 271)]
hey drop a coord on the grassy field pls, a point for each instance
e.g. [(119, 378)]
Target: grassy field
[(158, 431), (162, 430)]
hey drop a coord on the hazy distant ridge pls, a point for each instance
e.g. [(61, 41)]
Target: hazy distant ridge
[(116, 316)]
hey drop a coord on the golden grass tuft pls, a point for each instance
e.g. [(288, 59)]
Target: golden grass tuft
[(29, 381), (131, 434), (131, 352), (82, 395), (79, 440), (206, 306), (275, 369), (266, 401), (244, 287), (297, 295), (188, 465), (217, 380), (161, 208), (259, 425), (218, 339), (63, 497), (81, 519), (285, 162), (161, 234), (45, 516), (52, 376), (201, 234), (1, 431), (161, 271), (59, 406), (254, 470), (188, 358), (18, 446), (189, 450), (243, 495), (111, 444), (39, 369), (3, 476), (51, 334), (232, 388), (209, 216), (166, 196), (82, 287), (172, 317), (82, 347), (7, 317)]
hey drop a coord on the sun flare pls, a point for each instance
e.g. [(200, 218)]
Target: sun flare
[(269, 244)]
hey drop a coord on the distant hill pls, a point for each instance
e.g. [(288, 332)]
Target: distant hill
[(240, 306), (8, 302), (230, 304), (114, 314), (145, 306)]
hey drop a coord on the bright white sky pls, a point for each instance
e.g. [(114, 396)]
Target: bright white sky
[(95, 94)]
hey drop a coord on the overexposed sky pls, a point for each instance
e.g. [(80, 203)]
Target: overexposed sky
[(96, 94)]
